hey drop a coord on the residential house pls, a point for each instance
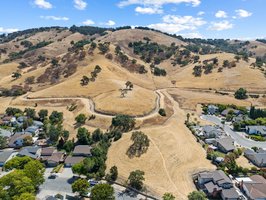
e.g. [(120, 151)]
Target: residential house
[(257, 158), (72, 160), (226, 111), (6, 120), (32, 152), (55, 159), (39, 124), (256, 130), (211, 131), (240, 118), (217, 184), (79, 154), (47, 152), (6, 156), (256, 188), (225, 144), (82, 150), (17, 140), (22, 119), (212, 109), (5, 133), (34, 130)]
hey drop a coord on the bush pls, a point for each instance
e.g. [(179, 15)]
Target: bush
[(162, 112), (241, 93)]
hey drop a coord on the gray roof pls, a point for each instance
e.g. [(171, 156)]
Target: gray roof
[(220, 177), (32, 129), (4, 155), (261, 129), (210, 186), (29, 151), (37, 123), (227, 143), (211, 130), (259, 156), (226, 111), (5, 133), (230, 193)]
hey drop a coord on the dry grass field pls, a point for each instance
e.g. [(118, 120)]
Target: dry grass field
[(173, 155)]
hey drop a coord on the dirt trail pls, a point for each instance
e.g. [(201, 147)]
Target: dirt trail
[(90, 105)]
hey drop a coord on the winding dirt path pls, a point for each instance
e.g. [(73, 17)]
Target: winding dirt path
[(90, 105)]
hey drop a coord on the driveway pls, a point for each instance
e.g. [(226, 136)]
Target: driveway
[(59, 185), (238, 137)]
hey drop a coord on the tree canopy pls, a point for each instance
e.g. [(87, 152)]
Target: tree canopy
[(102, 191)]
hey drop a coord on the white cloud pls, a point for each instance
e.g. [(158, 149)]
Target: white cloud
[(221, 14), (148, 10), (220, 26), (8, 30), (242, 13), (200, 13), (110, 23), (80, 4), (175, 24), (88, 22), (191, 35), (157, 3), (55, 18), (43, 4)]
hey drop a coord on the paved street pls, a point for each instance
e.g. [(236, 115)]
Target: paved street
[(59, 185), (238, 137)]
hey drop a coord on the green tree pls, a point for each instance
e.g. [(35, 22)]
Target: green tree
[(26, 196), (35, 171), (69, 146), (13, 111), (83, 136), (54, 133), (97, 135), (17, 163), (56, 117), (78, 168), (197, 195), (168, 196), (16, 75), (80, 186), (81, 119), (43, 114), (135, 179), (17, 183), (123, 122), (65, 135), (140, 144), (102, 191), (162, 112), (113, 174), (3, 142), (241, 93)]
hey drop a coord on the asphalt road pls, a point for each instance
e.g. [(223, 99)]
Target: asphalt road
[(239, 139)]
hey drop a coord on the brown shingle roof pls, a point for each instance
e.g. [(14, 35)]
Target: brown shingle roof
[(56, 157), (256, 188), (48, 151), (82, 149), (73, 160)]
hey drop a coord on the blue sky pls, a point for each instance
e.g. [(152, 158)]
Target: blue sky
[(242, 19)]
